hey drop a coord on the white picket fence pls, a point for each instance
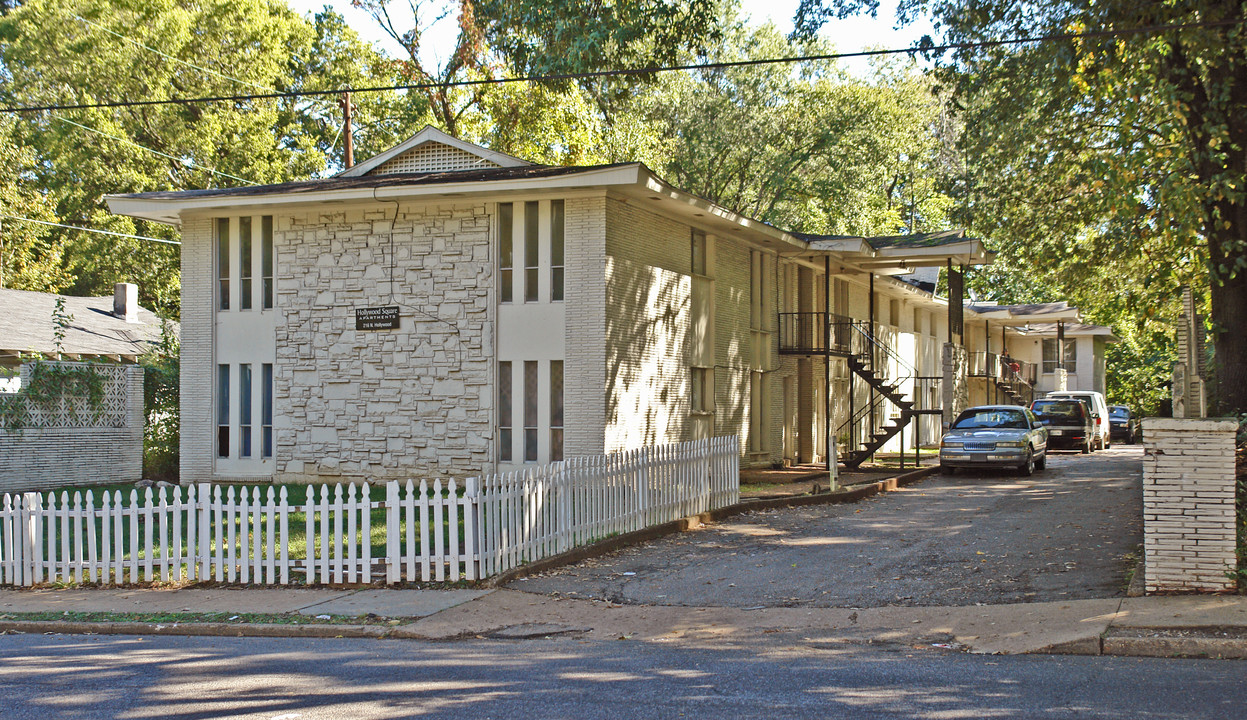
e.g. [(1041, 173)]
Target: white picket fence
[(431, 531)]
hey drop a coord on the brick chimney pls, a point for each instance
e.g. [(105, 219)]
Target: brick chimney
[(126, 302)]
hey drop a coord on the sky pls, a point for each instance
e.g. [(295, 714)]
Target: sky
[(850, 35)]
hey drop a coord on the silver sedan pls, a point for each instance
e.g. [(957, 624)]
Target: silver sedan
[(1003, 436)]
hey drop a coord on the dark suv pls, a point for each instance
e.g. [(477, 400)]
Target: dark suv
[(1122, 423), (1068, 422)]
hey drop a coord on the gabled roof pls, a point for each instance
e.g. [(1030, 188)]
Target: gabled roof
[(26, 326), (432, 150)]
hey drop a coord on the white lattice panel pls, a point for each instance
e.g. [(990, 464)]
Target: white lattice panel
[(73, 411), (432, 157)]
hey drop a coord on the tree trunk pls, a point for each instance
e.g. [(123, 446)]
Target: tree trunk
[(1229, 312)]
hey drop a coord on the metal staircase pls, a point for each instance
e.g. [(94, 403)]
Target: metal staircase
[(870, 361), (889, 409)]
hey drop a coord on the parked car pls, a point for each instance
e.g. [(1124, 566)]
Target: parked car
[(1003, 436), (1123, 424), (1068, 421), (1099, 413)]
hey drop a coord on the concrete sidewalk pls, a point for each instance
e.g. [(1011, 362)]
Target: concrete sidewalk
[(1210, 626)]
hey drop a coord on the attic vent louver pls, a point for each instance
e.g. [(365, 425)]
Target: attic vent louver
[(432, 157)]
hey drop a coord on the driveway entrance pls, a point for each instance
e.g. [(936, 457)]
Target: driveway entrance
[(971, 538)]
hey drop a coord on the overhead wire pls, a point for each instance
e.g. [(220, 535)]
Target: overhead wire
[(183, 161), (90, 230), (647, 70)]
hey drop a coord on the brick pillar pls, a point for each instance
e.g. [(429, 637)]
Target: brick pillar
[(1188, 504)]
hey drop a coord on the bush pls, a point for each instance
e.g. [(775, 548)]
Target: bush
[(162, 409)]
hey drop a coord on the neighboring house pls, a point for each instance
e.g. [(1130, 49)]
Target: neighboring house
[(112, 329), (442, 309), (1051, 337), (72, 440)]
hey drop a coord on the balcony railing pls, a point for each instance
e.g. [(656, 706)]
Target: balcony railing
[(818, 332)]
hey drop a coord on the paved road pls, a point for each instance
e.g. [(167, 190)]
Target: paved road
[(783, 677), (970, 538)]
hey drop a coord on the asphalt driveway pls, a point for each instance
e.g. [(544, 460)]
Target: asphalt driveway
[(971, 538)]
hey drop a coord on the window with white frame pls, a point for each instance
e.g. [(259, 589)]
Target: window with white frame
[(244, 245), (530, 392), (1050, 356), (237, 404), (244, 343), (506, 252), (556, 251), (556, 410), (531, 251)]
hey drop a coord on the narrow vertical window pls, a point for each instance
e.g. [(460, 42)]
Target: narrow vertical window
[(504, 412), (266, 412), (556, 250), (698, 252), (222, 411), (531, 254), (506, 252), (530, 411), (266, 259), (556, 410), (755, 290), (222, 261), (244, 410), (244, 264)]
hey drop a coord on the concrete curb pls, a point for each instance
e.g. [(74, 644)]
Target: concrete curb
[(79, 627), (858, 492), (1156, 647)]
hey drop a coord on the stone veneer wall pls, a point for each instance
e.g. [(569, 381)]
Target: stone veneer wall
[(37, 458), (1188, 504), (416, 401)]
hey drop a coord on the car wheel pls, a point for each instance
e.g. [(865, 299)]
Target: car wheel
[(1086, 447), (1042, 462), (1028, 468), (948, 469)]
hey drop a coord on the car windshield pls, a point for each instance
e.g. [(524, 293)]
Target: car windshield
[(1118, 411), (991, 418), (1057, 410)]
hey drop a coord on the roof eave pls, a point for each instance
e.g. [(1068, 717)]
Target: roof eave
[(169, 210)]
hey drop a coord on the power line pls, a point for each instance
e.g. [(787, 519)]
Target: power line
[(633, 71), (182, 161), (176, 59), (166, 56), (90, 230)]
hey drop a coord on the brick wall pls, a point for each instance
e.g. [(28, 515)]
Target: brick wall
[(1188, 504), (40, 458), (647, 312), (198, 424), (584, 367)]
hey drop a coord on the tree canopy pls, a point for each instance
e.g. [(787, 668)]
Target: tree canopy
[(1113, 166), (79, 51)]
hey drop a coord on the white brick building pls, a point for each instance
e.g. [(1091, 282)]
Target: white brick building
[(523, 313)]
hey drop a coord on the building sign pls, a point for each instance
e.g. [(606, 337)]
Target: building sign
[(378, 318)]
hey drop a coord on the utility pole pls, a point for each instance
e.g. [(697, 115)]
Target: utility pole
[(348, 141)]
